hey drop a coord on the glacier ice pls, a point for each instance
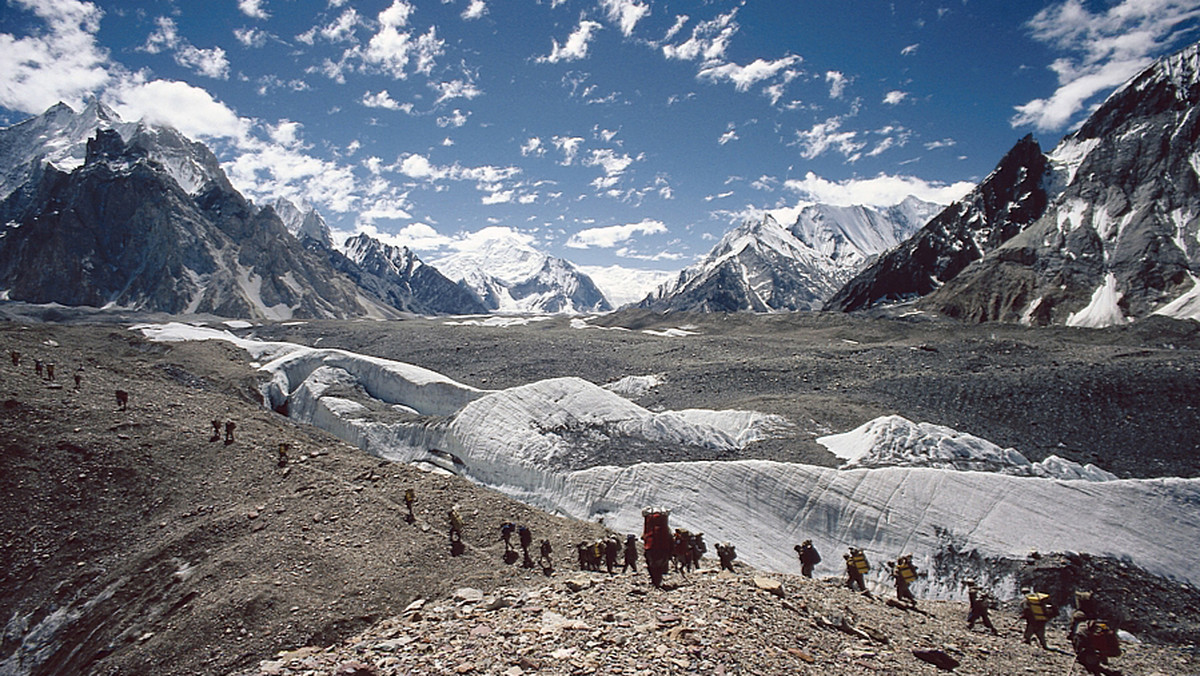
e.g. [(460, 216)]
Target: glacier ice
[(551, 443)]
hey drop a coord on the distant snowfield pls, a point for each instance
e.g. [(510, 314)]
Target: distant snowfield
[(546, 443)]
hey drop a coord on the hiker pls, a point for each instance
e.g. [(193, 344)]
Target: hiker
[(506, 531), (456, 525), (630, 553), (1036, 610), (581, 551), (410, 497), (525, 537), (229, 431), (656, 539), (78, 380), (37, 367), (49, 371), (611, 549), (905, 573), (979, 603), (856, 566), (809, 558), (283, 455), (122, 400), (216, 435), (726, 554), (683, 550), (16, 357), (698, 549), (1094, 643), (545, 558), (1085, 609)]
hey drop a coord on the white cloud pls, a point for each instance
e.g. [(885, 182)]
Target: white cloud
[(191, 110), (837, 83), (744, 77), (569, 146), (253, 9), (391, 49), (286, 133), (414, 236), (708, 41), (456, 118), (61, 63), (728, 136), (488, 178), (384, 100), (825, 136), (482, 239), (533, 147), (881, 191), (894, 97), (455, 89), (340, 29), (396, 15), (209, 62), (680, 21), (576, 46), (1102, 50), (251, 37), (610, 236), (475, 10), (625, 13), (610, 160), (498, 197), (910, 50), (943, 143)]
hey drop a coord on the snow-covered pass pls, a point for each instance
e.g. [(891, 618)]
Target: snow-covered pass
[(906, 487)]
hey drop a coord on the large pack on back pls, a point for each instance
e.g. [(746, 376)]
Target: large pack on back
[(1039, 606), (907, 572), (859, 559)]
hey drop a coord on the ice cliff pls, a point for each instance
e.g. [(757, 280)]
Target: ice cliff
[(555, 443)]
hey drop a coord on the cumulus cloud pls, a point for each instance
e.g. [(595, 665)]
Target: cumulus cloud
[(610, 160), (533, 147), (60, 63), (894, 97), (744, 77), (837, 83), (384, 100), (610, 236), (728, 136), (456, 118), (475, 10), (251, 37), (191, 110), (942, 143), (568, 146), (1101, 50), (910, 50), (708, 41), (826, 136), (487, 177), (209, 62), (625, 13), (253, 9), (455, 89), (576, 46), (881, 191)]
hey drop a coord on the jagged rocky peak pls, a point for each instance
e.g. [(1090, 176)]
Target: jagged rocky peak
[(764, 266), (369, 252), (1116, 242), (303, 221), (1011, 197)]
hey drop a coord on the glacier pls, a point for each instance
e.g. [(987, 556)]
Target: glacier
[(556, 444)]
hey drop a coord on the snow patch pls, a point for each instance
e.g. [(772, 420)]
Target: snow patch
[(502, 322), (681, 332), (1186, 306), (237, 323), (1027, 314), (635, 387), (1103, 310)]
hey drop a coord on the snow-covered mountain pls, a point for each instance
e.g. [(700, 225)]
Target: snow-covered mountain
[(149, 221), (552, 443), (512, 277), (1101, 231), (303, 221), (1011, 197), (763, 266), (399, 277)]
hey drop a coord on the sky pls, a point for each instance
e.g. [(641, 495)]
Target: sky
[(622, 133)]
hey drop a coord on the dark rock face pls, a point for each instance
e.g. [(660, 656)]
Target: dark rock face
[(1120, 235), (1010, 198), (396, 275), (121, 231)]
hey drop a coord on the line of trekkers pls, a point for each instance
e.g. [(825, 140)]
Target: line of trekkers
[(1093, 639)]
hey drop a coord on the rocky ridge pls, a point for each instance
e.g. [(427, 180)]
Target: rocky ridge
[(707, 622)]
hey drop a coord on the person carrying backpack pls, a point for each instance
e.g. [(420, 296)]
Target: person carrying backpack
[(980, 602), (1094, 644), (630, 553), (1036, 610), (809, 557)]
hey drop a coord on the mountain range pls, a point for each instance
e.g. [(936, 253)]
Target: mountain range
[(1100, 231)]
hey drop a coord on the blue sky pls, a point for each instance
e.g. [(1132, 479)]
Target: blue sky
[(609, 132)]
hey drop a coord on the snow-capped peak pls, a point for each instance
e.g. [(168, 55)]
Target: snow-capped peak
[(303, 220)]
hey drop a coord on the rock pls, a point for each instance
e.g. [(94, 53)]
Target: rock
[(578, 583), (801, 655), (937, 658), (355, 668), (468, 595), (769, 585), (414, 606)]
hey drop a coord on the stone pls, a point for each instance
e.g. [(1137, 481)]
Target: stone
[(577, 584), (769, 585), (468, 595)]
